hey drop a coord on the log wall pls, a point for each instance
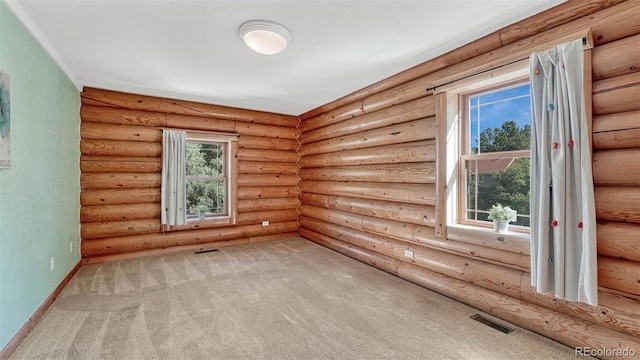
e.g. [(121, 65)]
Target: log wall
[(121, 173), (368, 181)]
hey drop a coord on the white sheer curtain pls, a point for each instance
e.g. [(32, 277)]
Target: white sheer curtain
[(563, 221), (173, 193)]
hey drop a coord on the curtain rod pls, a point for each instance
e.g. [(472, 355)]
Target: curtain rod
[(429, 89)]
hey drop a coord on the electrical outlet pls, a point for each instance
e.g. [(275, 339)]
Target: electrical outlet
[(53, 263), (408, 253), (265, 223), (70, 246)]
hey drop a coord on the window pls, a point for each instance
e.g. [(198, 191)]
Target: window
[(206, 179), (483, 156), (209, 177), (494, 152), (199, 172)]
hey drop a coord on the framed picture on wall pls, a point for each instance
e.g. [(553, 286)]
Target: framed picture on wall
[(5, 122)]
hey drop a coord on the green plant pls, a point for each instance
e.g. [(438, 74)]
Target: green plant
[(202, 209), (501, 214)]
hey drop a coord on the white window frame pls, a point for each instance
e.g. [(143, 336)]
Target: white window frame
[(465, 154), (450, 170), (230, 142), (225, 145)]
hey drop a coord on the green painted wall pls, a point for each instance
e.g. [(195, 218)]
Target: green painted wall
[(39, 195)]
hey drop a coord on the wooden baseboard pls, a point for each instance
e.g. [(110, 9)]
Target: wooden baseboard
[(11, 346)]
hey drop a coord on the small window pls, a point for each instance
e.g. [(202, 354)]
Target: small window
[(210, 172), (495, 152), (206, 179)]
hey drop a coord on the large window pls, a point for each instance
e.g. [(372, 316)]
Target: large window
[(494, 152)]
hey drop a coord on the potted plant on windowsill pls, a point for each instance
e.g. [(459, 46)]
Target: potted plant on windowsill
[(502, 216), (201, 211)]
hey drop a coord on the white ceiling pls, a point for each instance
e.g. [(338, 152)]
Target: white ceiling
[(191, 50)]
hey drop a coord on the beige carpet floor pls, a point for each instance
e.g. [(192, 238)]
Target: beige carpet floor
[(288, 299)]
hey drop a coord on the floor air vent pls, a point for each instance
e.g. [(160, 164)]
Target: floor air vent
[(205, 251), (479, 318)]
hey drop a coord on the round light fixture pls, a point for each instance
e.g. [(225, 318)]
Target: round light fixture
[(265, 37)]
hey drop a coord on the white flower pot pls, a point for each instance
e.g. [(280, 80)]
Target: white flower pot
[(501, 226)]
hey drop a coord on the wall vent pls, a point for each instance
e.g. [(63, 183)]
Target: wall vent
[(483, 320), (205, 251)]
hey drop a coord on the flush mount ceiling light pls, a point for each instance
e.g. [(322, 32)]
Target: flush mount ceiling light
[(265, 37)]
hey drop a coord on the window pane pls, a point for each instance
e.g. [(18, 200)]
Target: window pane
[(205, 159), (501, 120), (206, 196), (474, 125), (206, 178), (505, 181)]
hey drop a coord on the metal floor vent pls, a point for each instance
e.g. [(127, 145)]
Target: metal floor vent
[(205, 251), (479, 318)]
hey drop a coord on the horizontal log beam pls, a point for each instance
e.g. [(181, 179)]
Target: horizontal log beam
[(422, 129), (102, 213), (251, 129), (272, 216), (120, 164), (104, 131), (498, 257), (617, 203), (616, 131), (419, 151), (106, 229), (616, 167), (109, 115), (267, 142), (119, 196), (616, 95), (262, 192), (410, 193), (267, 180), (619, 240), (187, 122), (389, 228), (122, 244), (120, 180), (267, 167), (173, 106), (619, 274), (413, 110), (417, 173), (184, 248), (243, 128), (267, 155), (120, 148), (247, 218), (616, 58), (391, 210), (247, 205)]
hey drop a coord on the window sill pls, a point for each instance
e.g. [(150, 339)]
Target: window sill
[(510, 241), (194, 224)]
